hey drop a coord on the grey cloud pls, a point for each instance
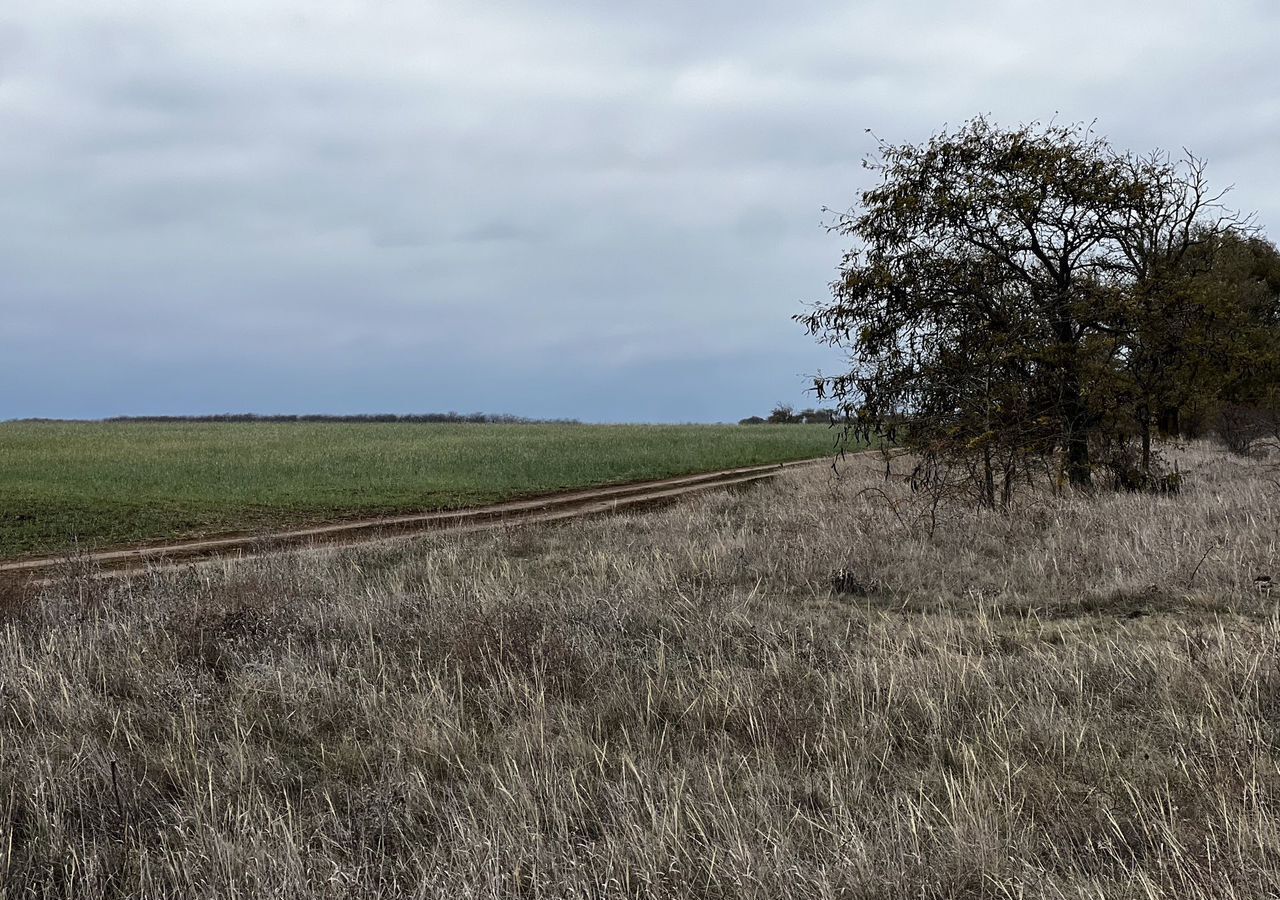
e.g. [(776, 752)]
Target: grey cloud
[(572, 208), (500, 231)]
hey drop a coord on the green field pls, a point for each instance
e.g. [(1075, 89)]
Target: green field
[(96, 485)]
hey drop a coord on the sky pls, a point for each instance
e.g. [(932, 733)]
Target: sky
[(600, 211)]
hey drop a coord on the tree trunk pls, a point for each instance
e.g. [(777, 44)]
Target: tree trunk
[(1074, 415), (1076, 425), (1079, 470), (989, 480), (1144, 423)]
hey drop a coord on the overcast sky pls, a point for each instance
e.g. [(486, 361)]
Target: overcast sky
[(596, 210)]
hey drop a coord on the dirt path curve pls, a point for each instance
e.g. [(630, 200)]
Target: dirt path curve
[(547, 508)]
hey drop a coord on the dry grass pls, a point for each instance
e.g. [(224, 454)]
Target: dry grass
[(1081, 701)]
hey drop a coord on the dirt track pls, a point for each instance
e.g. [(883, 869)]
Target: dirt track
[(549, 508)]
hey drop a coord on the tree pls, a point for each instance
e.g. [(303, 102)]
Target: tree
[(1246, 272), (1005, 290), (1182, 318), (781, 414)]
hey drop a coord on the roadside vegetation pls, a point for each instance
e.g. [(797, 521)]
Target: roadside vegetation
[(802, 690), (91, 485)]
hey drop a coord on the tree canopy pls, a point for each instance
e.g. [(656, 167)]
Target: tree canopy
[(1027, 294)]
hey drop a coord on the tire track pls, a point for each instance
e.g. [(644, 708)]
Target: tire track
[(533, 510)]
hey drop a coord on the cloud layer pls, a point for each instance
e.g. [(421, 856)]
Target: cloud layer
[(561, 209)]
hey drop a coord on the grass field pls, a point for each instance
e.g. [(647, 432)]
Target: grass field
[(1079, 700), (109, 484)]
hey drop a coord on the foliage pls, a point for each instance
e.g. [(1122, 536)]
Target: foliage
[(1027, 296), (786, 414)]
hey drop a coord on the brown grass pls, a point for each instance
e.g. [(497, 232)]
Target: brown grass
[(786, 692)]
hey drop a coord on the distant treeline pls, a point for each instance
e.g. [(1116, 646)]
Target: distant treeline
[(416, 418), (783, 414)]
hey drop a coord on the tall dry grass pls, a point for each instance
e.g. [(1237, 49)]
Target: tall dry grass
[(788, 692)]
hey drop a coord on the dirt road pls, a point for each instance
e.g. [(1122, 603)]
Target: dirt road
[(549, 508)]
